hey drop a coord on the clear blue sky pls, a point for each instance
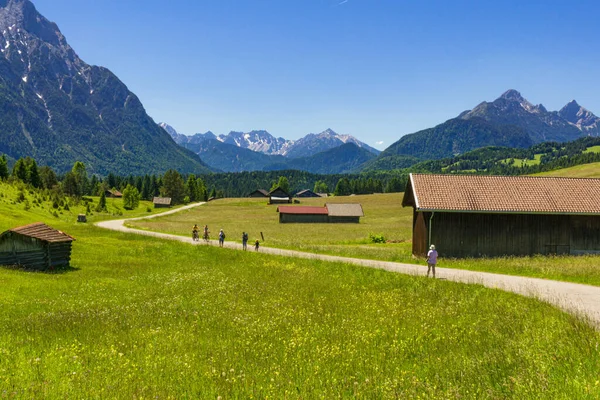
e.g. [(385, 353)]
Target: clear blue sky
[(375, 69)]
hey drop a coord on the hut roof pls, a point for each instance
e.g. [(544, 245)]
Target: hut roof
[(261, 191), (115, 192), (345, 210), (307, 193), (41, 231), (503, 194), (162, 200), (279, 192), (309, 210)]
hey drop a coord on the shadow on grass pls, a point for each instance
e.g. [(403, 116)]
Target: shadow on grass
[(50, 271)]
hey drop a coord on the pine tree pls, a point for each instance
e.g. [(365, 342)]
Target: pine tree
[(191, 190), (20, 170), (33, 174), (102, 203), (173, 186), (3, 167)]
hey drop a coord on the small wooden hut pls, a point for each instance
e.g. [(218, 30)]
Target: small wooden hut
[(279, 196), (488, 216), (35, 246), (307, 193), (161, 202), (259, 193), (345, 212), (303, 214), (112, 193)]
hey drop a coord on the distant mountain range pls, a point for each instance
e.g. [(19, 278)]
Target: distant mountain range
[(58, 109), (326, 152), (509, 121)]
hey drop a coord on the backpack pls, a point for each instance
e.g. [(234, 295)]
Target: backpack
[(245, 236)]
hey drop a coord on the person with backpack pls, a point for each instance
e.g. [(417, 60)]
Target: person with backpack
[(221, 238), (244, 240)]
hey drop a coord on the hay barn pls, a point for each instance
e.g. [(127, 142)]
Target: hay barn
[(331, 213), (303, 214), (344, 212), (161, 202), (279, 196), (307, 193), (113, 193), (259, 193), (479, 216), (35, 246)]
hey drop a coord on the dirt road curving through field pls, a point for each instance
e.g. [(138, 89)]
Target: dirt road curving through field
[(579, 299)]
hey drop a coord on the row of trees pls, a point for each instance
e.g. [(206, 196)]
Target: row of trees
[(189, 188)]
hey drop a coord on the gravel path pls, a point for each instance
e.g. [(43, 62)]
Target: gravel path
[(579, 299)]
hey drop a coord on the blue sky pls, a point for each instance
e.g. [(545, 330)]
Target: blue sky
[(375, 69)]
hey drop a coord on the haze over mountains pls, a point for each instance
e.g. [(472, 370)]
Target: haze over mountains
[(58, 109)]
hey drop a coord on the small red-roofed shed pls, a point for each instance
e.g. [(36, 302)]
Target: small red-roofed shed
[(302, 214), (35, 246)]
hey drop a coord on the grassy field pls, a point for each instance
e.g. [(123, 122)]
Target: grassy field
[(137, 317), (384, 215), (591, 170)]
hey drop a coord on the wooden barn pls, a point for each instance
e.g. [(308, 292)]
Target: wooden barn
[(307, 193), (259, 193), (279, 196), (302, 214), (113, 193), (479, 216), (331, 213), (161, 202), (344, 212), (35, 246)]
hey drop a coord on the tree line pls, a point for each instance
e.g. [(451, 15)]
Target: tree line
[(189, 188)]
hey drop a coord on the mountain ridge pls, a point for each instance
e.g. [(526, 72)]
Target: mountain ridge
[(58, 109)]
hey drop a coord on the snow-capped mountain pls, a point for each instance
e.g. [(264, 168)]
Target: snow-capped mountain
[(260, 141), (263, 142), (328, 139), (58, 109)]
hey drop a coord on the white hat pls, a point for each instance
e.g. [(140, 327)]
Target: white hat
[(432, 247)]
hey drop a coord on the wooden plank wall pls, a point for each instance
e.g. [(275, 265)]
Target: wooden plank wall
[(481, 235)]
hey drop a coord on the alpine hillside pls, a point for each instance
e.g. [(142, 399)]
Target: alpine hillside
[(58, 109), (509, 121)]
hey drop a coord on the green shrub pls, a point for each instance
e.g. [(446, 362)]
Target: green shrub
[(376, 238)]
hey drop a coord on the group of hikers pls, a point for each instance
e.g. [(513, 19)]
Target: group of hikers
[(206, 237)]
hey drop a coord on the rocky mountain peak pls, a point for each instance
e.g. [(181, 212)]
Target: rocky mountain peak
[(512, 95)]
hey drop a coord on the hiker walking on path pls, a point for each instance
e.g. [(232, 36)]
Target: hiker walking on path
[(244, 240), (432, 256), (221, 238), (206, 232), (256, 245)]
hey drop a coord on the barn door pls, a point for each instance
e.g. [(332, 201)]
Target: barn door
[(419, 244)]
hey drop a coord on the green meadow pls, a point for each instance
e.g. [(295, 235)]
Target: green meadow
[(384, 216), (591, 170), (138, 317)]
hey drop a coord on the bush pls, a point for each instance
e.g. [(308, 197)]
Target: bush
[(186, 199), (55, 214), (376, 238), (20, 196), (27, 205), (66, 207), (148, 209)]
